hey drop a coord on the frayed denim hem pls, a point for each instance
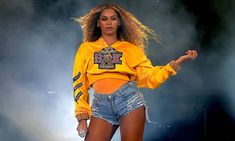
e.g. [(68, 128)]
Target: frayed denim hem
[(107, 120)]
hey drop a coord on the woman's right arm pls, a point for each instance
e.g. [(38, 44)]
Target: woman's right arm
[(80, 87)]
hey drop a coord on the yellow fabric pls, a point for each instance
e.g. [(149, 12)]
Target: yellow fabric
[(135, 66)]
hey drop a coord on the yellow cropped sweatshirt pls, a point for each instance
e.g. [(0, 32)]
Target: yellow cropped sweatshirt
[(122, 60)]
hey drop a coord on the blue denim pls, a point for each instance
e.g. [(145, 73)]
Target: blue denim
[(112, 107)]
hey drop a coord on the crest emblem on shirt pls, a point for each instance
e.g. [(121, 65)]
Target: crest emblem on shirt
[(107, 58)]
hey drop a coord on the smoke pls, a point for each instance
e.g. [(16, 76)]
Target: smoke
[(227, 79)]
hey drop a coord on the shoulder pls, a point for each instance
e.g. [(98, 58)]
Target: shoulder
[(83, 45), (82, 49)]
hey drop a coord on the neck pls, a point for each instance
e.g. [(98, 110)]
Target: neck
[(109, 39)]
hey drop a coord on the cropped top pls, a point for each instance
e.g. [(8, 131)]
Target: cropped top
[(122, 60)]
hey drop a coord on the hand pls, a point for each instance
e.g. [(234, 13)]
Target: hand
[(189, 55), (82, 128)]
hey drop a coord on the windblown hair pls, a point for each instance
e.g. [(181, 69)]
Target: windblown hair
[(130, 29)]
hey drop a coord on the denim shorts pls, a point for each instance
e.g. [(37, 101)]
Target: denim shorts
[(112, 107)]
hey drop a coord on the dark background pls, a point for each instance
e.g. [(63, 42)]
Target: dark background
[(38, 40)]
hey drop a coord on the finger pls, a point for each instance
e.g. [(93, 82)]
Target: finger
[(80, 126), (195, 53), (191, 53)]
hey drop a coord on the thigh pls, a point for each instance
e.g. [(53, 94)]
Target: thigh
[(100, 130), (132, 125)]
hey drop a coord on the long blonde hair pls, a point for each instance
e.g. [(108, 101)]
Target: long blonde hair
[(130, 29)]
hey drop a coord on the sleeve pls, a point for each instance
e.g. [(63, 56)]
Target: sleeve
[(149, 76), (80, 85)]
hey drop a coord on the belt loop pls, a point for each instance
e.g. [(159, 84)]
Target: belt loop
[(130, 84), (110, 97)]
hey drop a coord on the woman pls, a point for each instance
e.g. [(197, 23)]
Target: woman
[(109, 60)]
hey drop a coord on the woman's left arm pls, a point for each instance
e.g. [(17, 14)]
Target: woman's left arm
[(149, 76)]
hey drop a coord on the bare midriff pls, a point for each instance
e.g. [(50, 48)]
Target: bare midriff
[(108, 85)]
